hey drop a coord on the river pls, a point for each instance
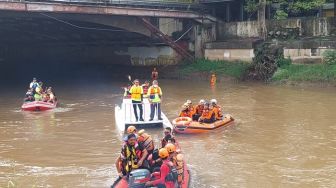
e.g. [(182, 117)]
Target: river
[(282, 136)]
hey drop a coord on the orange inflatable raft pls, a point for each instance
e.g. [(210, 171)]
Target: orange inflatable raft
[(185, 125)]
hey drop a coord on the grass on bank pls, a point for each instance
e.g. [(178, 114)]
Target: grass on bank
[(233, 69), (311, 73)]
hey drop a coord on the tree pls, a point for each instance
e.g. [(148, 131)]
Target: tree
[(251, 7), (287, 7)]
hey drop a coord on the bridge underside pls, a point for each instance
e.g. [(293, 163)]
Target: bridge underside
[(47, 29)]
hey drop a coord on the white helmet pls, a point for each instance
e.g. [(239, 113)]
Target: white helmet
[(202, 101), (189, 101), (213, 101)]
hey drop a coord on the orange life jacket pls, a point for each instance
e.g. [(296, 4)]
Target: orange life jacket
[(218, 112), (207, 114), (185, 113), (199, 109), (213, 80), (155, 90)]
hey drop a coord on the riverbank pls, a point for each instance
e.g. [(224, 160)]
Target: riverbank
[(297, 74), (202, 69), (292, 74)]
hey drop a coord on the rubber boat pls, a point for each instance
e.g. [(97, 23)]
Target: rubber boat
[(185, 125), (38, 106), (139, 177), (124, 116)]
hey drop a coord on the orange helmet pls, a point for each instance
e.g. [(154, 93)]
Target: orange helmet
[(163, 153), (131, 129), (170, 148)]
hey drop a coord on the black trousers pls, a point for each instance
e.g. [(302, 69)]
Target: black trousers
[(137, 104), (155, 107)]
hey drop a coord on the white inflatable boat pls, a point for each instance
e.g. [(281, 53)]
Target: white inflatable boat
[(124, 116)]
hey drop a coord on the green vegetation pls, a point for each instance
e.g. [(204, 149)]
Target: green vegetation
[(329, 57), (285, 7), (311, 73), (232, 69)]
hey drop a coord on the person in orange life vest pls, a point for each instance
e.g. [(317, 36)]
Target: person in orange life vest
[(166, 178), (207, 116), (155, 95), (155, 74), (198, 110), (145, 87), (137, 98), (177, 159), (146, 141), (132, 156), (217, 109), (185, 111), (168, 137), (191, 108), (213, 79)]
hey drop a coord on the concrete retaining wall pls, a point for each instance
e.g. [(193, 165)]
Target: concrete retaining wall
[(229, 54), (305, 26)]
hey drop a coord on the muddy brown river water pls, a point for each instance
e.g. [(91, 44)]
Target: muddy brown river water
[(282, 137)]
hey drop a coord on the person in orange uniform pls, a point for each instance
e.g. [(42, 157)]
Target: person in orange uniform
[(213, 79), (198, 110), (177, 159), (185, 111), (208, 115), (216, 109), (155, 74), (146, 141), (166, 177), (168, 137)]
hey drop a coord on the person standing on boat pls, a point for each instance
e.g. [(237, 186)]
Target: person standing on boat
[(155, 74), (145, 87), (33, 85), (155, 95), (137, 97)]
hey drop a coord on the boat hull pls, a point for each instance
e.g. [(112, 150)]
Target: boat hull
[(38, 106), (195, 127)]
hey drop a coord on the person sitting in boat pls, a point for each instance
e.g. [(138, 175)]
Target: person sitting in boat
[(145, 87), (168, 176), (38, 94), (50, 93), (29, 95), (143, 139), (146, 141), (216, 109), (132, 157), (177, 159), (190, 108), (185, 111), (33, 85), (208, 115), (198, 110), (168, 137)]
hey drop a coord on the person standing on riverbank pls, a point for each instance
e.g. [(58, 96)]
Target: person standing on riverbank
[(155, 95), (137, 96)]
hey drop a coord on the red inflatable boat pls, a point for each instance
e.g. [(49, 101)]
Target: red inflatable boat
[(38, 106), (139, 177)]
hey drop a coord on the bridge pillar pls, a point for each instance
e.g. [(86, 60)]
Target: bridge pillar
[(203, 34)]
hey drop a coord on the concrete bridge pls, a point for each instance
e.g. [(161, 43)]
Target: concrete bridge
[(115, 25)]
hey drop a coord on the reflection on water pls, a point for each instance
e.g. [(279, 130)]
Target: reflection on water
[(283, 137)]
